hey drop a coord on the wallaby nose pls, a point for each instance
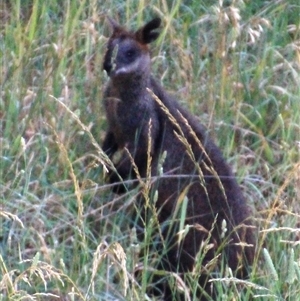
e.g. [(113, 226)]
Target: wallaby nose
[(107, 66)]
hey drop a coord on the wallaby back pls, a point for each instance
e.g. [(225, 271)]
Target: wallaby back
[(140, 120)]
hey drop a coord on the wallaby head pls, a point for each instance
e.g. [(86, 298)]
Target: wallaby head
[(127, 52)]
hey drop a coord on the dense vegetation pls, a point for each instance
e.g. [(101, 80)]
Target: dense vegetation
[(234, 64)]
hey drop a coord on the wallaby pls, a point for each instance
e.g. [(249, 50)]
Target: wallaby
[(145, 121)]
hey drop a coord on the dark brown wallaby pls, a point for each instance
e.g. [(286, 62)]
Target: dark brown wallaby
[(184, 162)]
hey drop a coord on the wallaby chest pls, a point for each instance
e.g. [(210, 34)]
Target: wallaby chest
[(128, 113)]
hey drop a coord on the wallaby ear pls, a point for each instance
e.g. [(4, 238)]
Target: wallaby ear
[(146, 34), (114, 25)]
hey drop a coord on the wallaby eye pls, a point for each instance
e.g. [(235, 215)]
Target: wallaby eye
[(130, 53)]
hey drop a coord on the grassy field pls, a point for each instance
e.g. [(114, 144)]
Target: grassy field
[(235, 65)]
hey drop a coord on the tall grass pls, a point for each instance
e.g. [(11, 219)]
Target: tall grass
[(235, 64)]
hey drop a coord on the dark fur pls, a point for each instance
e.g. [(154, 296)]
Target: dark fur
[(129, 108)]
